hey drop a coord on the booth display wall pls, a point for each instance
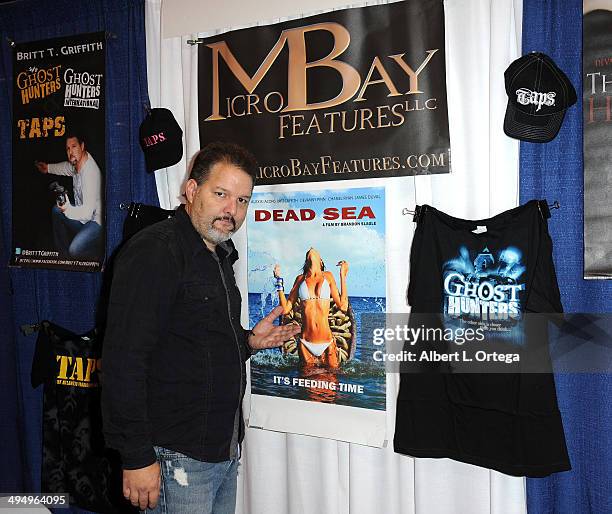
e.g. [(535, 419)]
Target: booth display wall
[(363, 478), (67, 298), (554, 171), (291, 473)]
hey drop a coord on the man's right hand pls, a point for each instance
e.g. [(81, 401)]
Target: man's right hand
[(141, 486), (43, 167)]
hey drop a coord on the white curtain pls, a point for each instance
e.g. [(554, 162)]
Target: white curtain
[(292, 474)]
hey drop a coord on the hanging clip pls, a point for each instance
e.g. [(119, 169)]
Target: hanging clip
[(27, 330), (416, 214), (544, 207)]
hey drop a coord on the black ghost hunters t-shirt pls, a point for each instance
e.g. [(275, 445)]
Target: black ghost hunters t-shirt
[(489, 275)]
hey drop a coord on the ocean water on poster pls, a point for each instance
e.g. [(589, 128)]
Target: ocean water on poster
[(362, 370)]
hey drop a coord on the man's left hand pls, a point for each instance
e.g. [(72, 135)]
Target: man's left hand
[(268, 335)]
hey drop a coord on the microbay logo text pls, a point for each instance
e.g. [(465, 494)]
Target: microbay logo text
[(525, 97), (298, 65)]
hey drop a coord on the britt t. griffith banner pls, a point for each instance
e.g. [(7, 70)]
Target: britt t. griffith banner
[(58, 153), (351, 94)]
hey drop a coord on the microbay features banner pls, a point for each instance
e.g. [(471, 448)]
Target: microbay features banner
[(58, 153), (597, 107), (351, 94)]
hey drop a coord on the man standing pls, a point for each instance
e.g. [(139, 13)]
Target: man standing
[(174, 350), (77, 229)]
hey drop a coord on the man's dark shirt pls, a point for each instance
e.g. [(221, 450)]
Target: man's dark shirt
[(173, 372)]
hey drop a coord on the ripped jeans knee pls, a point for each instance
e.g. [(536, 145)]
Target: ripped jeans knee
[(189, 485)]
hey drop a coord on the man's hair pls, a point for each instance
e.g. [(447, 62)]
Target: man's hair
[(228, 153), (73, 133)]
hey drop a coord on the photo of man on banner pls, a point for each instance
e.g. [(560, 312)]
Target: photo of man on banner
[(77, 226)]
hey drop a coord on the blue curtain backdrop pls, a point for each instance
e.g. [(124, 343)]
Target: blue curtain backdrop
[(66, 298), (554, 171)]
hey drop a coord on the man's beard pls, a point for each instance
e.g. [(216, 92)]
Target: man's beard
[(208, 232)]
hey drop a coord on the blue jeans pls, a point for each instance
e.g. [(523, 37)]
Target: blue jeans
[(75, 239), (190, 486)]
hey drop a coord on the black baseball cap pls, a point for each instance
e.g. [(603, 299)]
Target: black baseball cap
[(161, 139), (539, 93)]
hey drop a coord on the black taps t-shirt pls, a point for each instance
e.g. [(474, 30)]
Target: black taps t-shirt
[(75, 460)]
